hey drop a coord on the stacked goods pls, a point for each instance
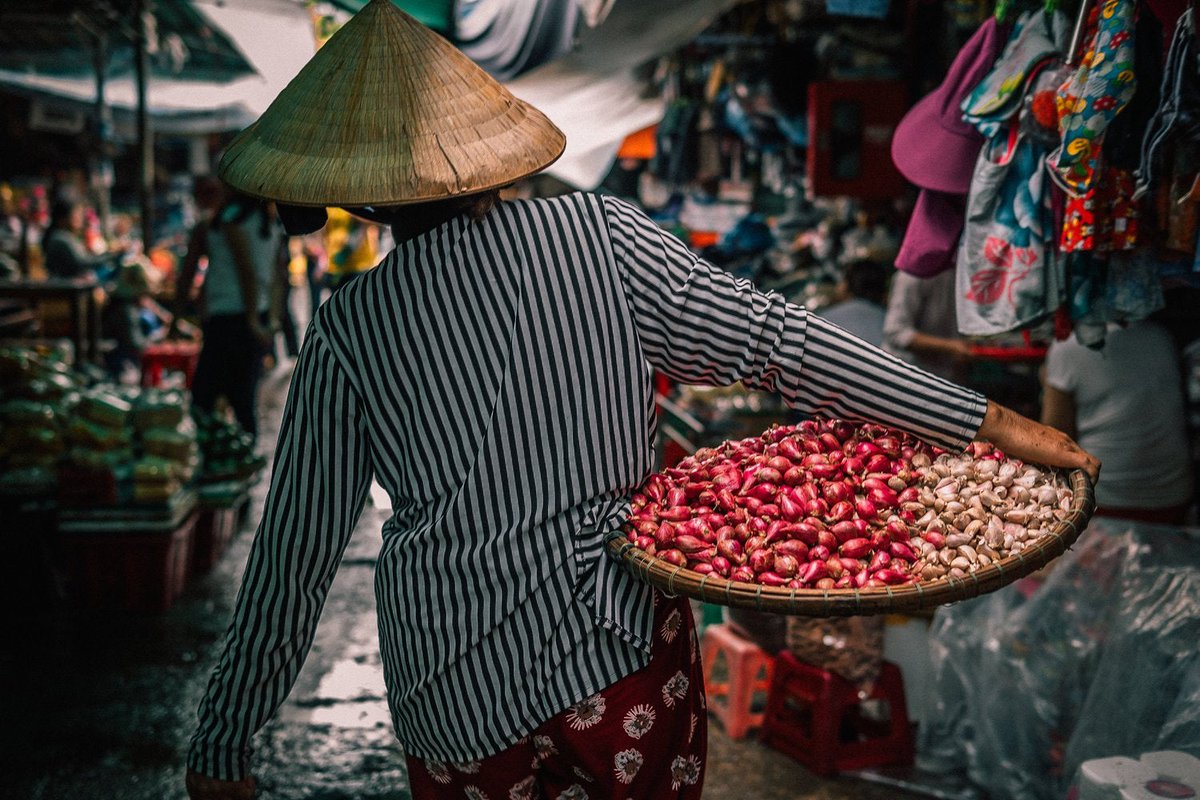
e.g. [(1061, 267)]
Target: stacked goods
[(37, 395), (832, 505), (98, 460), (227, 450), (31, 441), (168, 441)]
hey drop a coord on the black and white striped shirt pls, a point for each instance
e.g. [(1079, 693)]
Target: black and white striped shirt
[(494, 376)]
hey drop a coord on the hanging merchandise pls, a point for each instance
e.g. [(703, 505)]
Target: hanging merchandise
[(936, 150), (1100, 88), (933, 147), (675, 154), (510, 38), (1007, 277), (1124, 287), (1105, 218), (1178, 112), (1037, 37), (931, 238)]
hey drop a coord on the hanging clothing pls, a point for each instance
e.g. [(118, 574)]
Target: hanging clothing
[(1100, 88), (1037, 37), (1008, 275), (494, 376), (511, 37), (1178, 113), (1104, 219)]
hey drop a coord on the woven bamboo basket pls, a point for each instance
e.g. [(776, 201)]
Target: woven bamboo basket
[(919, 596)]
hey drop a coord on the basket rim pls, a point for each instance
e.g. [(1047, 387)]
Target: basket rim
[(676, 580)]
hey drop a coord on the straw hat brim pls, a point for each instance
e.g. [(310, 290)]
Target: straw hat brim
[(389, 113)]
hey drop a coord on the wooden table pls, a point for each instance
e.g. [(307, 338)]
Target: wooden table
[(80, 296)]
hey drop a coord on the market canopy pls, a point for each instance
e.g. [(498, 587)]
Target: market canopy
[(57, 38), (191, 102)]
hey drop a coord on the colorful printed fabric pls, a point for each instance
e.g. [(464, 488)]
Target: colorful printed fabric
[(645, 736), (1036, 37), (1008, 275), (1105, 218), (1102, 86)]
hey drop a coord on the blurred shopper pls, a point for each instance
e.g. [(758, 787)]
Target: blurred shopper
[(921, 325), (314, 270), (131, 319), (1124, 404), (242, 296), (66, 255), (860, 297), (351, 247)]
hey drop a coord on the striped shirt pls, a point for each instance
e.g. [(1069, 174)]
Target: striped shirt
[(494, 376)]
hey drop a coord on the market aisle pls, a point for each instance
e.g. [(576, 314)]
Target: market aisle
[(101, 705)]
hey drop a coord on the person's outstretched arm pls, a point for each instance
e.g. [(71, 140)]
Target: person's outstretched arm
[(700, 325), (319, 482)]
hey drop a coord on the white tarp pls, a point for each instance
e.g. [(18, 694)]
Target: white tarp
[(593, 95), (276, 36)]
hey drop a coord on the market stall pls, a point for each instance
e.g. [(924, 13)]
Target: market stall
[(128, 492)]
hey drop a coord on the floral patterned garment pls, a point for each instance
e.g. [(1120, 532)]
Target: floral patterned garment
[(642, 738), (1105, 219), (1102, 86)]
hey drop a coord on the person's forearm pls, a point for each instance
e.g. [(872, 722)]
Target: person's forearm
[(927, 344), (1031, 441)]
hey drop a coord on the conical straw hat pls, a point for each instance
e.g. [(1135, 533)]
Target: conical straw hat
[(387, 113)]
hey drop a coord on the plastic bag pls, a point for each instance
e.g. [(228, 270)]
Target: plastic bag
[(1100, 660)]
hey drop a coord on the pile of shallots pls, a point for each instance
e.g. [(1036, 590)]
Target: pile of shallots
[(829, 504)]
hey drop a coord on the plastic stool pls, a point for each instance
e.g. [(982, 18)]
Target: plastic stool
[(179, 356), (744, 660), (814, 716)]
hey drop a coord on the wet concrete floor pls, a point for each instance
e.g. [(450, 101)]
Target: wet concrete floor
[(96, 706)]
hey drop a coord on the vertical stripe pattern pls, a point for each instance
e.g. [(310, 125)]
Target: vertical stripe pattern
[(495, 377)]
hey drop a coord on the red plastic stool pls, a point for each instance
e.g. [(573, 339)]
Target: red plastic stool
[(731, 702), (181, 356), (815, 717)]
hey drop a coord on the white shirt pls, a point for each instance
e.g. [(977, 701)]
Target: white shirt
[(222, 290), (1128, 413), (924, 305)]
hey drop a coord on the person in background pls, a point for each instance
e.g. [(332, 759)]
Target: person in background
[(63, 248), (131, 319), (1124, 404), (351, 247), (14, 234), (314, 270), (921, 325), (860, 298), (242, 296)]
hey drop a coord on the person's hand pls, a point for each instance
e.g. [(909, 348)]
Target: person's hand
[(962, 351), (202, 787), (1031, 441)]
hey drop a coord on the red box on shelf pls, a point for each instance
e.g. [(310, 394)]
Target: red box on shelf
[(214, 530), (133, 570)]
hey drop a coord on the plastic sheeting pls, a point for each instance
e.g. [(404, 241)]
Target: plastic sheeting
[(1101, 660)]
